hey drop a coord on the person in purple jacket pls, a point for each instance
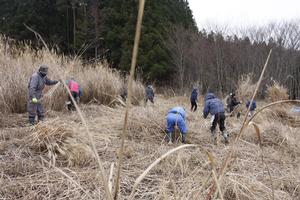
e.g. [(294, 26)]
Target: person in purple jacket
[(215, 107), (36, 84)]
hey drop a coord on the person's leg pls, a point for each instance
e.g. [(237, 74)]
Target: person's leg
[(213, 129), (182, 127), (69, 103), (40, 112), (74, 94), (151, 99), (32, 110), (195, 106), (222, 126), (170, 126), (192, 106)]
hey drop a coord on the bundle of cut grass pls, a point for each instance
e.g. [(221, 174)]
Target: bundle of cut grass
[(277, 92), (58, 140)]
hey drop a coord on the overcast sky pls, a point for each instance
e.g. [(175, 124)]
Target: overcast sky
[(242, 13)]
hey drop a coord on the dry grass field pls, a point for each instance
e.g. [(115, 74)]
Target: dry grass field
[(54, 161)]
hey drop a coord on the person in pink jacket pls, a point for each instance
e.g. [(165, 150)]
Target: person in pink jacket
[(76, 92)]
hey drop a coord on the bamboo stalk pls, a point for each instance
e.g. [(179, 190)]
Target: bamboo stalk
[(128, 100)]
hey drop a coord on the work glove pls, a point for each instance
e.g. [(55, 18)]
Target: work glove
[(34, 100)]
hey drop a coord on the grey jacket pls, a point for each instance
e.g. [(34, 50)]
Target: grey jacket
[(36, 85), (149, 92)]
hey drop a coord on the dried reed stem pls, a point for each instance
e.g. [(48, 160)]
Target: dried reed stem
[(244, 125), (142, 176), (128, 100), (258, 133), (67, 176), (272, 104)]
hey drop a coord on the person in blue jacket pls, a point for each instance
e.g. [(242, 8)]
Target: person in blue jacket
[(193, 99), (215, 107), (252, 107), (176, 117)]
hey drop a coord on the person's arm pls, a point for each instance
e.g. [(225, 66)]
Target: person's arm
[(33, 86), (182, 127), (50, 82), (254, 105), (247, 104), (206, 110)]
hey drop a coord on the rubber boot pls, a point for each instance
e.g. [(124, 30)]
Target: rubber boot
[(170, 138), (225, 135), (41, 118), (213, 137), (32, 120)]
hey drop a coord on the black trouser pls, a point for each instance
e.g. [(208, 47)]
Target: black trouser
[(193, 106), (151, 99), (219, 119), (71, 104), (230, 108)]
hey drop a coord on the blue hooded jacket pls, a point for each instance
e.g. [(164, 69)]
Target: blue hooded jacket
[(194, 95), (213, 105), (253, 105), (176, 117)]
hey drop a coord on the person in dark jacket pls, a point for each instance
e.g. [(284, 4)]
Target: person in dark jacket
[(36, 84), (76, 92), (176, 117), (149, 94), (194, 97), (215, 107), (252, 107), (232, 102)]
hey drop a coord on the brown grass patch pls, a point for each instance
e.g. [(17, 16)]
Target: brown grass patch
[(277, 92)]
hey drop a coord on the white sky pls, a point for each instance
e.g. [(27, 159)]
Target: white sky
[(242, 13)]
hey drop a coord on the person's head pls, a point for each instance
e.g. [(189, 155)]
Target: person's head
[(43, 70), (209, 96), (232, 94)]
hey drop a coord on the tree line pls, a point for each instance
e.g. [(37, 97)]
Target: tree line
[(172, 52), (100, 29), (215, 61)]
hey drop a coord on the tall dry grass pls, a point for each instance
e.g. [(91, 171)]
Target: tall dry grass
[(245, 87), (277, 92), (99, 82)]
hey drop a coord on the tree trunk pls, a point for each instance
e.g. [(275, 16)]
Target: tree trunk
[(95, 11)]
